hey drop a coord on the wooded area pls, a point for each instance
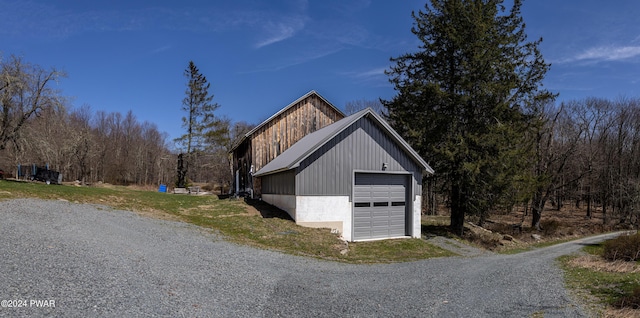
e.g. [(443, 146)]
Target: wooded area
[(39, 126), (93, 147), (588, 153)]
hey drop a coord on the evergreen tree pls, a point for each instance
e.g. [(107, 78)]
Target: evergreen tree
[(199, 108), (462, 99)]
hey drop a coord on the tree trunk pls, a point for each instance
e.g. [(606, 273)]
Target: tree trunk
[(589, 204), (604, 211), (537, 206), (457, 210), (431, 198), (182, 172)]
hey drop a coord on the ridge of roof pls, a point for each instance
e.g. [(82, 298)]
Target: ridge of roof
[(292, 157)]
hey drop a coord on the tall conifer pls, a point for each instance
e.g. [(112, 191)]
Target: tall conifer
[(463, 98)]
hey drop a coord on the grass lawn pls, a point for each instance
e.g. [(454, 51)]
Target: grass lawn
[(255, 224)]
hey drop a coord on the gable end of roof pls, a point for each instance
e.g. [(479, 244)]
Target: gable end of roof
[(293, 156), (301, 98)]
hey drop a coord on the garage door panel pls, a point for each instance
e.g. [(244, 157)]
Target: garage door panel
[(379, 222), (396, 196), (378, 217), (362, 218), (363, 222), (379, 194), (365, 215), (396, 216)]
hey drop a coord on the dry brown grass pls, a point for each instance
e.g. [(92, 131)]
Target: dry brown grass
[(622, 313), (597, 263)]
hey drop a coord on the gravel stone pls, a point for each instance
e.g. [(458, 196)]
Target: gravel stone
[(94, 261)]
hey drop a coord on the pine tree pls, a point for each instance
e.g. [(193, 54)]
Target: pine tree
[(462, 99), (199, 108)]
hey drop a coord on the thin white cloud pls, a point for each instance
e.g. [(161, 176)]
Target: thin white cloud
[(374, 77), (293, 61), (161, 49), (607, 53), (280, 31), (370, 74)]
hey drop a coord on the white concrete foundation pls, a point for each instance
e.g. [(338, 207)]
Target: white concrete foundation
[(325, 211), (417, 216)]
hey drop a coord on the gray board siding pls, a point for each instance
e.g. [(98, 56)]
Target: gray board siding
[(279, 183), (361, 147)]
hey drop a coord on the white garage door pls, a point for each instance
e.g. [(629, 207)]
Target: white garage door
[(379, 206)]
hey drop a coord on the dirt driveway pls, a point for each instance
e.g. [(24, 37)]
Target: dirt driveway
[(94, 261)]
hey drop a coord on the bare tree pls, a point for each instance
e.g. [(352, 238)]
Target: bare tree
[(81, 143), (593, 119), (25, 91), (555, 143)]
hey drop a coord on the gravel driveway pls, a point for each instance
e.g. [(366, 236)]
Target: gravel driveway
[(94, 261)]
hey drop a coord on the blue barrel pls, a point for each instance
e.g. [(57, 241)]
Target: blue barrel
[(163, 188)]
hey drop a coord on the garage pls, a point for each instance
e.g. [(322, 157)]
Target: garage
[(356, 177), (379, 206)]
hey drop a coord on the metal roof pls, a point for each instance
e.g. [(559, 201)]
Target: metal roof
[(292, 157), (303, 97)]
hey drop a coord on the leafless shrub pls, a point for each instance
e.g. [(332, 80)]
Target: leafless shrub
[(550, 226), (626, 248), (630, 301)]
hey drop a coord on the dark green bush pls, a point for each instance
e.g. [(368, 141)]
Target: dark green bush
[(626, 247)]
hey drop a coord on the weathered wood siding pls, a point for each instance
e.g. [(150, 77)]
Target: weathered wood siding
[(307, 116)]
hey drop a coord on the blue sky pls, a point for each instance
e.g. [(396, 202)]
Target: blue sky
[(261, 55)]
